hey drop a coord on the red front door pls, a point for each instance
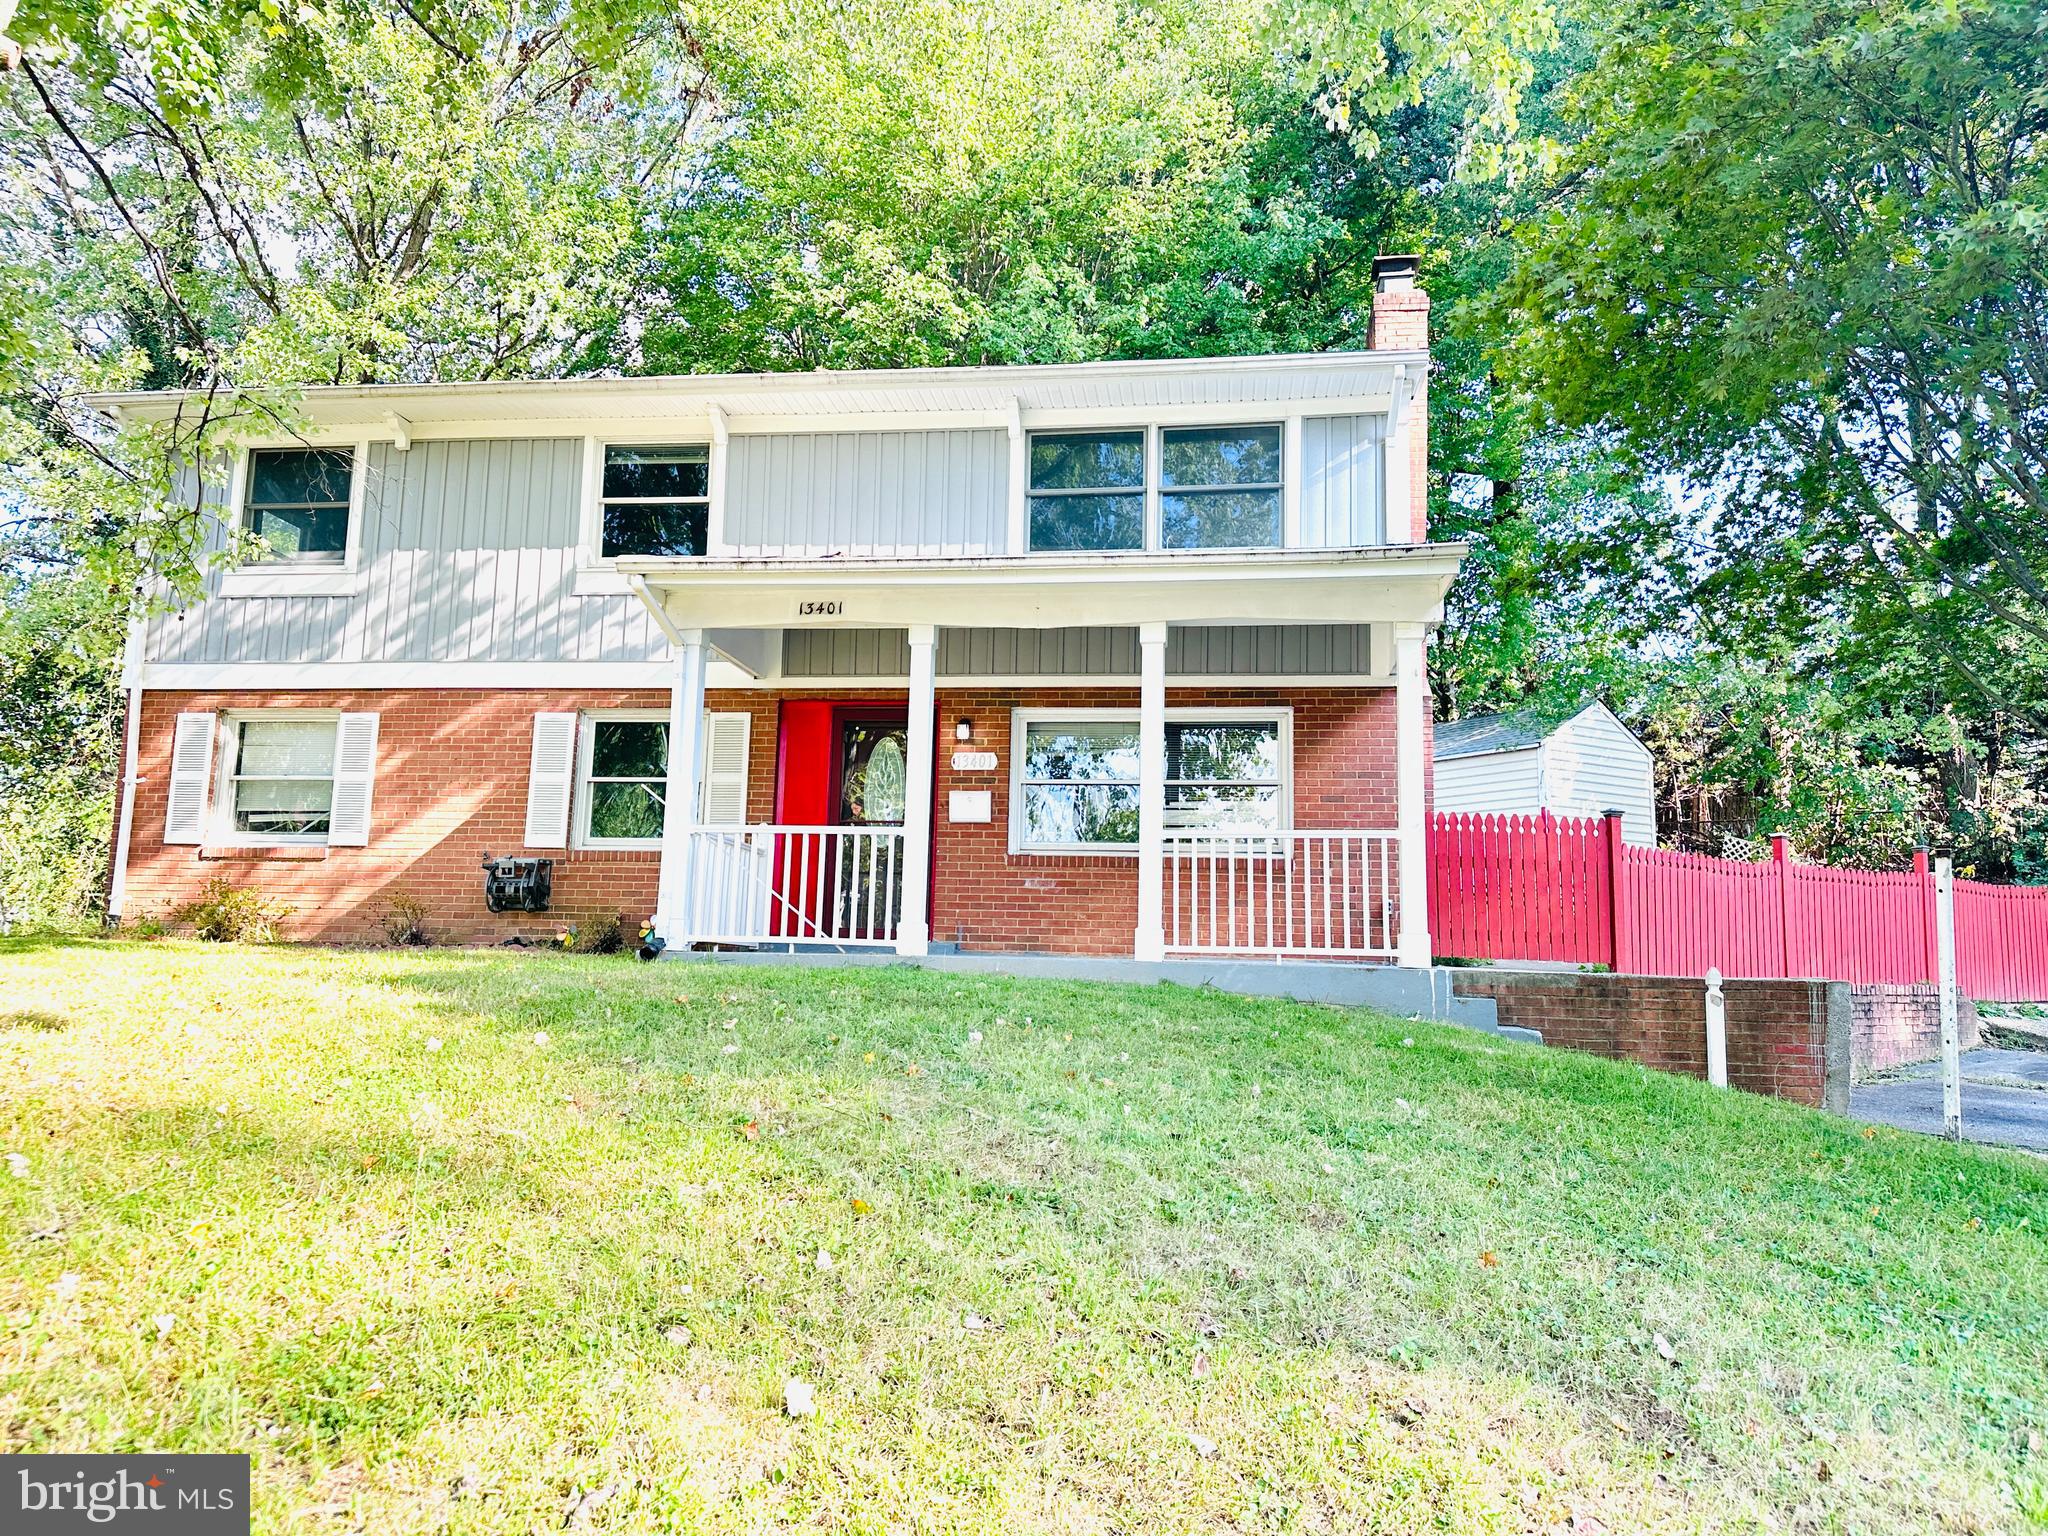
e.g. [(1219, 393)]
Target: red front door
[(839, 763)]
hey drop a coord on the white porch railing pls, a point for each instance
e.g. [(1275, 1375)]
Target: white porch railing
[(840, 886), (1283, 893)]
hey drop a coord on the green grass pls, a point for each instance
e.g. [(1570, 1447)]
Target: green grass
[(1235, 1265)]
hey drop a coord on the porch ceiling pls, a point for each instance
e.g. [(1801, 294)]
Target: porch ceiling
[(1397, 584)]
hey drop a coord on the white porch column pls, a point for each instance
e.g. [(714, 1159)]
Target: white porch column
[(1411, 715), (673, 916), (913, 926), (1150, 940)]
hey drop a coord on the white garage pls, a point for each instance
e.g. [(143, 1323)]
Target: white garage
[(1511, 765)]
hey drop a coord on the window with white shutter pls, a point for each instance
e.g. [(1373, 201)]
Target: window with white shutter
[(551, 780), (622, 769), (723, 792), (191, 773), (355, 773)]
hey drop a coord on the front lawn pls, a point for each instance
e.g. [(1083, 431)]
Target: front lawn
[(463, 1242)]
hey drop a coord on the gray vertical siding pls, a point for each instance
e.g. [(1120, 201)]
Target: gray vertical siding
[(468, 554), (868, 493), (1342, 482), (1249, 650)]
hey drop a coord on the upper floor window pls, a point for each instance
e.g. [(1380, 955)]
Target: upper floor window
[(298, 503), (1088, 490), (656, 500), (1219, 487)]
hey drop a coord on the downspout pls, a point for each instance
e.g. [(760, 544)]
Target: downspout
[(131, 679), (646, 595)]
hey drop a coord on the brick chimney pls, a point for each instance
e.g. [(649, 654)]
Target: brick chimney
[(1400, 309), (1400, 323)]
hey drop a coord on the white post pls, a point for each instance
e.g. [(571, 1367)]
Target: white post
[(913, 927), (131, 679), (673, 917), (1945, 953), (1411, 719), (1717, 1030), (1149, 942)]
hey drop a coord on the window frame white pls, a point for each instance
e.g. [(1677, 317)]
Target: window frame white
[(294, 578), (586, 747), (587, 722), (1278, 487), (221, 829), (597, 573), (1142, 490), (1281, 715), (1152, 485)]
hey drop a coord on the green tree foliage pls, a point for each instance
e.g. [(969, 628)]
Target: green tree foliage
[(1800, 257)]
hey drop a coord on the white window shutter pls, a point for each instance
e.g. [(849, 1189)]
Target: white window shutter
[(551, 781), (724, 788), (355, 773), (191, 772)]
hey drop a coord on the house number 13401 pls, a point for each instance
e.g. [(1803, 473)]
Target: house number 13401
[(820, 608)]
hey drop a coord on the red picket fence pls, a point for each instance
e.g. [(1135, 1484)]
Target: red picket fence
[(2002, 941), (1564, 888)]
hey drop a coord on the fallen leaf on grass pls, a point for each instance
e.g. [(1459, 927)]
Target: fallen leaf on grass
[(1489, 1259), (751, 1130), (860, 1206)]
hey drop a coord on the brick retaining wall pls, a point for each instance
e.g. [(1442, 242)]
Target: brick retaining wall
[(1787, 1039), (1894, 1025)]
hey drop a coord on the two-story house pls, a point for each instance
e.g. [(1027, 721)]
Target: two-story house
[(1114, 658)]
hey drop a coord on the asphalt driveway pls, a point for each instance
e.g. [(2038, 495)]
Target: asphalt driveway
[(2005, 1098)]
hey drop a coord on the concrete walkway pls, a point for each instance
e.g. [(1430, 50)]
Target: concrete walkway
[(2005, 1098)]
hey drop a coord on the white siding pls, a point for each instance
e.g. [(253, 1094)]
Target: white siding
[(1592, 764), (468, 554), (1342, 482), (1241, 650), (868, 494), (1490, 783)]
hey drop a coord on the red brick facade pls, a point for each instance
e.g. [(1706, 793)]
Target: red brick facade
[(451, 784)]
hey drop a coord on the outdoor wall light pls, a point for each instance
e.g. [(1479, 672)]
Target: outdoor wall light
[(964, 731)]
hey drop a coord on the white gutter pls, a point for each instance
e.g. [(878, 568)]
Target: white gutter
[(645, 594), (131, 679)]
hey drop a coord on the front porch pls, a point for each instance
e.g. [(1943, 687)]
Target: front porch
[(1151, 817)]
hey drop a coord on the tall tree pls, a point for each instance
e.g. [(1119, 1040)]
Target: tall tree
[(1800, 256)]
